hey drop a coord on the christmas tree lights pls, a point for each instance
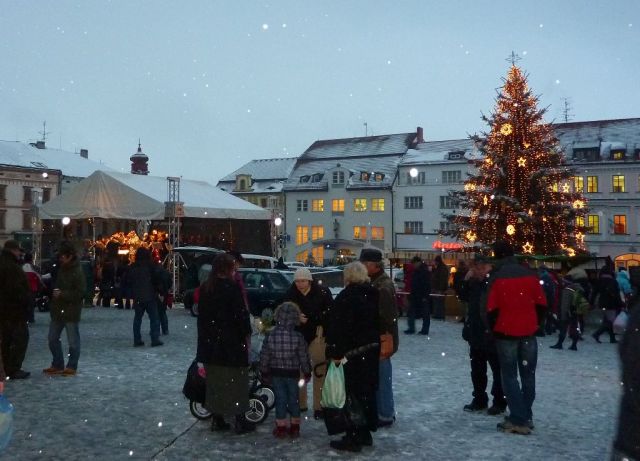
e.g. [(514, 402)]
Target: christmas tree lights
[(522, 191)]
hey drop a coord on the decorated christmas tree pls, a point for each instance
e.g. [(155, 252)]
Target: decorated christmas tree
[(521, 191)]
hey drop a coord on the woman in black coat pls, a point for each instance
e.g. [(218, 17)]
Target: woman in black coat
[(353, 331), (607, 294), (314, 302), (223, 328)]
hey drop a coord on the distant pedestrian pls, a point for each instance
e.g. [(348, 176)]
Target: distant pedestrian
[(388, 312), (607, 298), (35, 284), (482, 346), (223, 330), (572, 301), (66, 310), (624, 282), (419, 297), (627, 441), (439, 286), (14, 311), (514, 301), (462, 268), (140, 281), (282, 358)]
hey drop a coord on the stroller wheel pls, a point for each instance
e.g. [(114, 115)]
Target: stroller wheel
[(257, 411), (266, 394), (198, 410)]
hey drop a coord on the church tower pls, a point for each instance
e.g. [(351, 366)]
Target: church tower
[(139, 162)]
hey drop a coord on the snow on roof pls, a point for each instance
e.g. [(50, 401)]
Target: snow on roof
[(372, 154), (438, 151), (264, 169), (201, 199), (22, 154)]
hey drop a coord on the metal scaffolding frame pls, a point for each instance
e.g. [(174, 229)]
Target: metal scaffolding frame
[(174, 210)]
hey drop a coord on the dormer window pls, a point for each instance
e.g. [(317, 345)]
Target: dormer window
[(618, 154), (589, 153), (456, 155), (379, 177), (243, 182), (317, 177), (337, 177), (305, 178), (364, 176)]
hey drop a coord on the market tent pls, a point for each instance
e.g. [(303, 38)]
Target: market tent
[(102, 196), (137, 197)]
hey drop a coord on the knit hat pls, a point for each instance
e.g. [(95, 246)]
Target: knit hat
[(12, 245), (302, 273), (370, 254)]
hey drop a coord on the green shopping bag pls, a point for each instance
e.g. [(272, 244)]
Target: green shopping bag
[(333, 391)]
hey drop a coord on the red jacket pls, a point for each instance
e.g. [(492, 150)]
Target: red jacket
[(514, 292)]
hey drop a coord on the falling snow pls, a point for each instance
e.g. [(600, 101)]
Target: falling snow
[(130, 405)]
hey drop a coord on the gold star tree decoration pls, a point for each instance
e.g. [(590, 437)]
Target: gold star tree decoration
[(525, 175)]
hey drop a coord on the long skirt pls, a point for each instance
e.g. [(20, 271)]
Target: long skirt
[(227, 390)]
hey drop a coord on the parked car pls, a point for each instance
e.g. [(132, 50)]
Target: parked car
[(259, 261), (294, 264), (266, 288), (195, 264)]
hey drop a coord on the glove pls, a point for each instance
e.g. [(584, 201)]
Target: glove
[(307, 377)]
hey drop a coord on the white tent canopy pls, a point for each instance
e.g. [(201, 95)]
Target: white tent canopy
[(113, 195)]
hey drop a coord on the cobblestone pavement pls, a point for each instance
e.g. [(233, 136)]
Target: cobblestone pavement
[(126, 403)]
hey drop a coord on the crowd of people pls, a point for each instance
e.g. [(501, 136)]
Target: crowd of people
[(507, 304)]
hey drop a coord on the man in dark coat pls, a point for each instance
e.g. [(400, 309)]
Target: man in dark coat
[(14, 311), (627, 443), (419, 298), (439, 286)]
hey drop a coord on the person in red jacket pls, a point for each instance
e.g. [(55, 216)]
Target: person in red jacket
[(515, 302)]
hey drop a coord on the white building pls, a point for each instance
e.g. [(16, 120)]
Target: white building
[(339, 197)]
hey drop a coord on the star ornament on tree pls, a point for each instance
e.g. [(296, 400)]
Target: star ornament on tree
[(511, 229), (565, 188), (578, 204), (527, 248), (506, 129), (580, 237), (522, 161)]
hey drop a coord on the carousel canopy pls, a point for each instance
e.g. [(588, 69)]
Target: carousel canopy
[(113, 195)]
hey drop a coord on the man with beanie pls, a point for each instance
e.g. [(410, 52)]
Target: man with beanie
[(514, 302), (372, 259), (314, 302), (419, 297), (14, 310)]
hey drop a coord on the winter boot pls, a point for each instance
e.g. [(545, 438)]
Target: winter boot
[(218, 424), (280, 432), (294, 430), (556, 346), (347, 443), (497, 409), (242, 426), (364, 438), (475, 406)]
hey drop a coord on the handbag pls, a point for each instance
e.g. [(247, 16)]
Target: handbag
[(386, 346), (195, 385), (333, 390), (620, 323)]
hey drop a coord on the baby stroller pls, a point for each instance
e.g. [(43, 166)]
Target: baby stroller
[(194, 389)]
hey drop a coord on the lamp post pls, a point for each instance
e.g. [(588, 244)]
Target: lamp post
[(278, 236)]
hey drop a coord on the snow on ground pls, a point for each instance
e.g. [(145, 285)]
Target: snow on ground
[(126, 403)]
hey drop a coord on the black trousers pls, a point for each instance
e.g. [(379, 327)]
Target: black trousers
[(480, 357), (15, 339)]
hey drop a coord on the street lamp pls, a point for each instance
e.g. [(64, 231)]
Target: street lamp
[(413, 172), (277, 221)]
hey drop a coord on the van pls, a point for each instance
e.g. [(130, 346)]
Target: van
[(259, 261)]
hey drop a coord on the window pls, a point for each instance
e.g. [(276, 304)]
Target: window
[(26, 194), (447, 202), (3, 216), (379, 177), (377, 204), (3, 192), (618, 183), (337, 177), (589, 154), (451, 177), (618, 154), (592, 184), (580, 221), (446, 226), (301, 256), (316, 177), (377, 233), (305, 178), (619, 224), (317, 205), (359, 204), (243, 184), (359, 232), (317, 232), (578, 184), (420, 179), (364, 176), (413, 203), (456, 155), (302, 205), (593, 224), (46, 195), (263, 202), (318, 254), (27, 223), (413, 227), (337, 205), (302, 234)]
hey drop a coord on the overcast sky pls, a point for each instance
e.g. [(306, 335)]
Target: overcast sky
[(210, 85)]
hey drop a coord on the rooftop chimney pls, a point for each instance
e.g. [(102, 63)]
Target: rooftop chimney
[(84, 153), (419, 135), (40, 145)]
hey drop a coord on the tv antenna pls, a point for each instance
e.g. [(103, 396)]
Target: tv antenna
[(566, 110), (44, 131)]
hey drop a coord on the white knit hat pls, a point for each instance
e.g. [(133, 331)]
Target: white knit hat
[(302, 273)]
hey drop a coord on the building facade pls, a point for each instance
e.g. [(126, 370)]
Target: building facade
[(339, 197)]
